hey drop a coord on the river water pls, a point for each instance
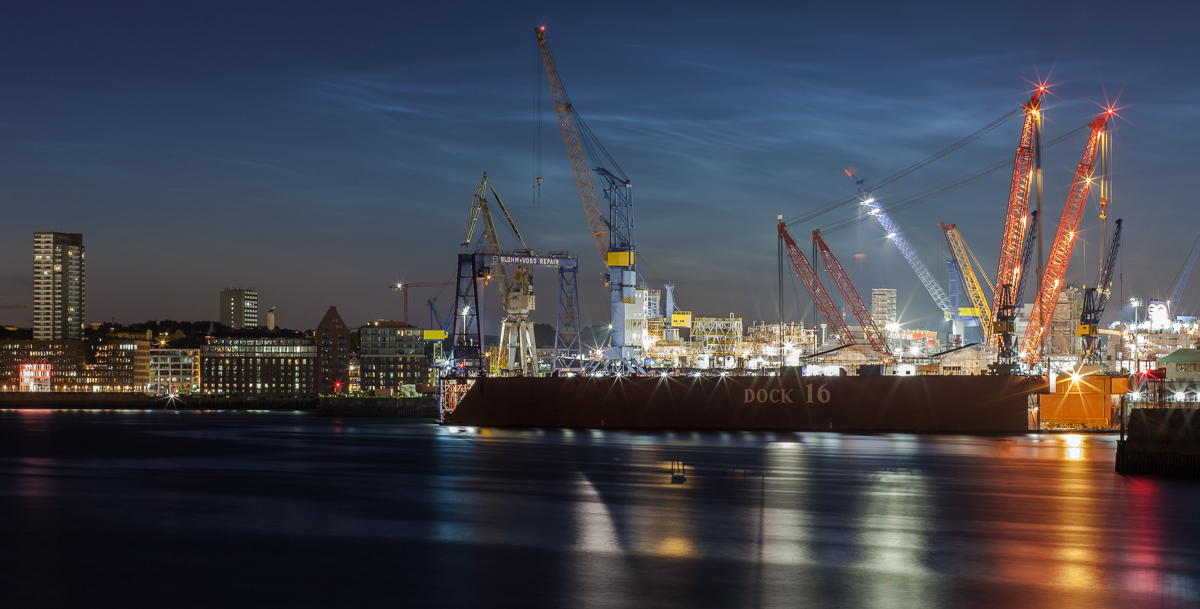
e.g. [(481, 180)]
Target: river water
[(169, 509)]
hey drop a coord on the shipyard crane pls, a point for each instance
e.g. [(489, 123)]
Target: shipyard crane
[(614, 234), (517, 348), (963, 256), (874, 336), (1010, 298), (892, 230), (1095, 298), (1012, 240), (1064, 243), (1182, 278), (404, 287), (809, 276)]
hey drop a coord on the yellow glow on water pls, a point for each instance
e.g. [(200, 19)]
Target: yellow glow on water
[(675, 546), (1073, 440)]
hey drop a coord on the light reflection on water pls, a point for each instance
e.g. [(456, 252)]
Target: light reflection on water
[(586, 518)]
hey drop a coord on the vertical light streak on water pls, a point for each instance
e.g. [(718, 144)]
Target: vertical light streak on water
[(786, 524), (894, 520), (601, 572)]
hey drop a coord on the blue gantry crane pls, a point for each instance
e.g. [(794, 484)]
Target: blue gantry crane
[(1094, 298), (892, 230)]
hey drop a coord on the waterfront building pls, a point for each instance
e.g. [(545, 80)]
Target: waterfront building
[(333, 352), (278, 364), (120, 365), (392, 354), (40, 365), (174, 371), (239, 308), (58, 286)]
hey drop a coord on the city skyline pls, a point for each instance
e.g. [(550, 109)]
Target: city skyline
[(321, 156)]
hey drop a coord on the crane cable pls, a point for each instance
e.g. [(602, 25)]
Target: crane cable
[(905, 172), (938, 191)]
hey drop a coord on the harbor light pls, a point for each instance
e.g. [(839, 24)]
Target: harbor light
[(1137, 395), (1179, 396)]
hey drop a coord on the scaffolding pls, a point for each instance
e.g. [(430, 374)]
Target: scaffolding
[(718, 335)]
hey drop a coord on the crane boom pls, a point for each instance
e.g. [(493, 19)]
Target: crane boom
[(959, 248), (1011, 297), (874, 336), (1015, 219), (403, 287), (813, 283), (893, 232), (583, 177), (1182, 279), (481, 209), (1095, 298), (1064, 243)]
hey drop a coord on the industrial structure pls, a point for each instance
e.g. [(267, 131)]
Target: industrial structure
[(1058, 333)]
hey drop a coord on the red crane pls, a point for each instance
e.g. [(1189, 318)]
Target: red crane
[(813, 283), (403, 287), (1064, 243), (874, 336), (1013, 239)]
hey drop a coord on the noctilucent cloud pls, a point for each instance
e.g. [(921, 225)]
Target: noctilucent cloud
[(321, 153)]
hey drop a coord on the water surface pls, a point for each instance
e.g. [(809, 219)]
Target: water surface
[(169, 509)]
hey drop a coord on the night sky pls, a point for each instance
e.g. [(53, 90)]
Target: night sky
[(320, 154)]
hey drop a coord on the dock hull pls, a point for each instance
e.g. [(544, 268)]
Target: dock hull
[(880, 404)]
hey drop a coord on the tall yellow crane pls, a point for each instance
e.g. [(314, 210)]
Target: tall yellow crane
[(963, 256), (583, 177)]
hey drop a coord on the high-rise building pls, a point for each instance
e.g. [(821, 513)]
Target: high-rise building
[(58, 286), (333, 353), (239, 308), (883, 307)]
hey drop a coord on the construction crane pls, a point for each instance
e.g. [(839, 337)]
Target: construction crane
[(809, 276), (1010, 298), (1095, 298), (1182, 278), (517, 348), (1012, 240), (892, 230), (1064, 243), (874, 336), (614, 234), (404, 287), (963, 257)]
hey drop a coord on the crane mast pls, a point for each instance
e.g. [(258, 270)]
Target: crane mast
[(874, 336), (1061, 248), (1011, 297), (893, 232), (961, 255), (1015, 219), (1095, 298), (614, 234), (813, 283)]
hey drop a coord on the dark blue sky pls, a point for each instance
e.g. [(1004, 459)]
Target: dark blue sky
[(321, 153)]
